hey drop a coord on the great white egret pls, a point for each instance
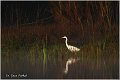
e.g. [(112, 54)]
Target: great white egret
[(71, 48)]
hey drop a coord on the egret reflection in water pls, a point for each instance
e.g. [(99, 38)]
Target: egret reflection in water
[(69, 62)]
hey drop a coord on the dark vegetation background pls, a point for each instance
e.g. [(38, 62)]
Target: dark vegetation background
[(80, 21), (31, 34)]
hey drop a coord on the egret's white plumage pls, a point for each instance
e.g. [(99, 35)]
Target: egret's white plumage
[(71, 48)]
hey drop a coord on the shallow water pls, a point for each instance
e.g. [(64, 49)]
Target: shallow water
[(60, 66)]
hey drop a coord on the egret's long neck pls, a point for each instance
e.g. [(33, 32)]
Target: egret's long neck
[(66, 42)]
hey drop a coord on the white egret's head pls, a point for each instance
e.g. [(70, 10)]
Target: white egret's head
[(64, 37)]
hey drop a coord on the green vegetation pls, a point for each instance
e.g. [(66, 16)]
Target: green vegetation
[(41, 49)]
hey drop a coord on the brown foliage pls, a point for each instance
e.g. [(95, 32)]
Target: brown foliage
[(86, 20)]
